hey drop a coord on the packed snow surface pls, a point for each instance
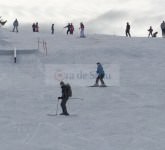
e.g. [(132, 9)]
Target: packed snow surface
[(127, 115)]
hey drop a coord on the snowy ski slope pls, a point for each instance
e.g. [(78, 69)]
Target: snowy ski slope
[(128, 116)]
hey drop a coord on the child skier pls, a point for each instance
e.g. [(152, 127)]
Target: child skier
[(150, 30)]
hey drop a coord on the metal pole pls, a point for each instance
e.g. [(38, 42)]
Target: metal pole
[(57, 108), (77, 98)]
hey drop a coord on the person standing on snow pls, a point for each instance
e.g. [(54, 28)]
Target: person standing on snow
[(150, 30), (15, 25), (33, 27), (71, 28), (52, 28), (82, 30), (127, 31), (68, 28), (101, 74), (64, 98), (36, 27), (163, 29)]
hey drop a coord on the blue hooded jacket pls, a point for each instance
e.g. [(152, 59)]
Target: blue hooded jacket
[(100, 70)]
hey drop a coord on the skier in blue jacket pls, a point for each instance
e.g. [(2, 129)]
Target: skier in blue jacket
[(101, 74)]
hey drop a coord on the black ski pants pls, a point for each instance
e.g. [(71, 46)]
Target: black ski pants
[(63, 105), (100, 77)]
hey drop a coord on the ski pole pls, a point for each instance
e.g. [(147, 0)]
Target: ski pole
[(57, 107), (68, 105), (77, 98)]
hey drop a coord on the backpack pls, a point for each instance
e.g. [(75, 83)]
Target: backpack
[(69, 90)]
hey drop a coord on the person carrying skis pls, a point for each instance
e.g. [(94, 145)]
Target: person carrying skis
[(101, 74), (66, 93), (127, 31), (15, 25), (68, 28), (163, 29), (150, 30)]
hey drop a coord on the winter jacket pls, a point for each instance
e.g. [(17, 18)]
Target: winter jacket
[(64, 92), (150, 30), (100, 70), (162, 25), (82, 26), (128, 27), (15, 23)]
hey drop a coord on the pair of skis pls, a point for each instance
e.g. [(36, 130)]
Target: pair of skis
[(52, 115), (101, 86)]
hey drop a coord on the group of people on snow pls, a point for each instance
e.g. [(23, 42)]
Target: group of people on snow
[(35, 27), (70, 28), (67, 92), (150, 30)]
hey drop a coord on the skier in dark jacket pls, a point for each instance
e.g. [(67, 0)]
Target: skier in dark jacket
[(15, 25), (64, 98), (33, 27), (68, 28), (127, 31), (101, 74), (162, 26), (52, 28), (150, 30)]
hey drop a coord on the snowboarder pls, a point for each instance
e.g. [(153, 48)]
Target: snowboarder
[(34, 27), (66, 93), (52, 28), (154, 34), (82, 30), (71, 28), (101, 74), (150, 30), (68, 28), (127, 31), (163, 29), (15, 25)]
